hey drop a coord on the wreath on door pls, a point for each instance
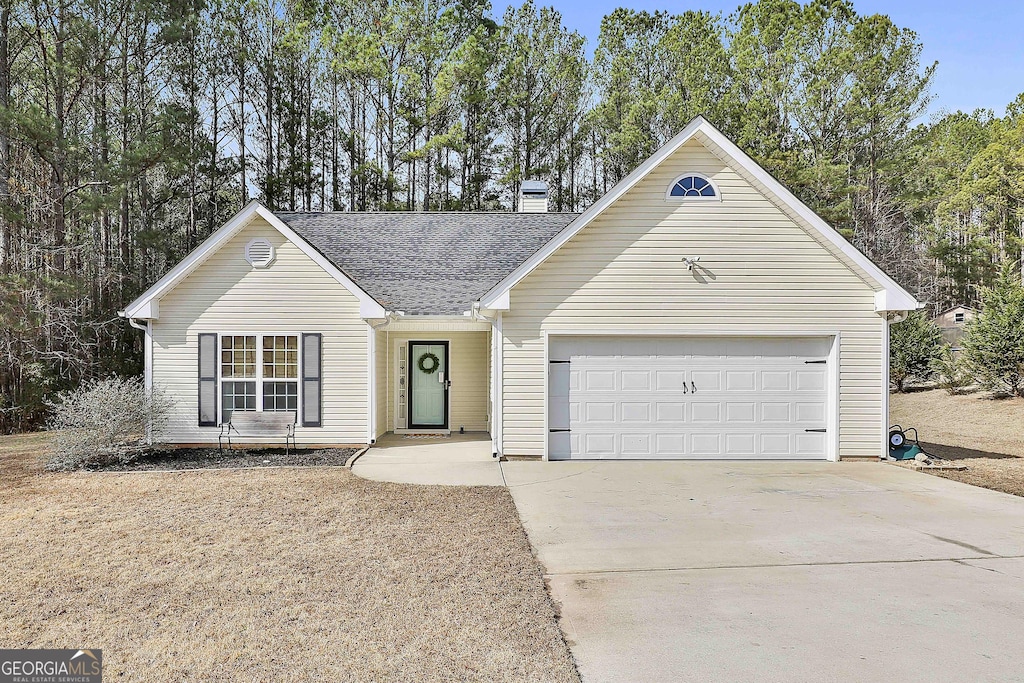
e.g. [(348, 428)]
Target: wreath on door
[(428, 363)]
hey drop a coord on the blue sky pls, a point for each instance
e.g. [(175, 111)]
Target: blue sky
[(979, 45)]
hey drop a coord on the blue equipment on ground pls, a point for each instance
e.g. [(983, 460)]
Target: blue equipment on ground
[(901, 447)]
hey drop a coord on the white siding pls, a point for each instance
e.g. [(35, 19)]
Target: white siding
[(294, 295), (759, 272), (468, 355)]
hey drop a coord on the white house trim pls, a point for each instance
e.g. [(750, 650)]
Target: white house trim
[(146, 306), (892, 296)]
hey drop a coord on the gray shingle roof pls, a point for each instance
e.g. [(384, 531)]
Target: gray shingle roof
[(427, 263)]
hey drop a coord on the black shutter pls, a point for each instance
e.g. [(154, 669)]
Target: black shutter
[(208, 380), (312, 345)]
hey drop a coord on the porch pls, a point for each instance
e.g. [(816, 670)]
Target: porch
[(432, 377)]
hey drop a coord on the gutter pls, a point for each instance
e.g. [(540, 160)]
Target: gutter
[(477, 316)]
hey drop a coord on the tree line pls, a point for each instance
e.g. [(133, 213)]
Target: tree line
[(131, 129)]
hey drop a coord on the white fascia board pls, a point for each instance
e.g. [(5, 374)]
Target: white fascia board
[(145, 307), (895, 297)]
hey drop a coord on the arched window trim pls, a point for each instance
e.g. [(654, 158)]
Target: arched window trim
[(714, 186)]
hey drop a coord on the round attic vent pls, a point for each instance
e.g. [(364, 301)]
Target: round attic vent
[(259, 252)]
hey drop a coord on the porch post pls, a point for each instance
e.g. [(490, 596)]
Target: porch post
[(371, 386), (497, 363)]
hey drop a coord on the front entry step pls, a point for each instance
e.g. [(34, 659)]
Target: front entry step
[(424, 432)]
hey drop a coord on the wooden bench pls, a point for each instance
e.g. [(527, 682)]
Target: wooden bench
[(250, 423)]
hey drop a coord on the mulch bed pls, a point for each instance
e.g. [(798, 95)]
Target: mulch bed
[(211, 458)]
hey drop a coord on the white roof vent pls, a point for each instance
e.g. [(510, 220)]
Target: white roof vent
[(533, 196), (259, 252)]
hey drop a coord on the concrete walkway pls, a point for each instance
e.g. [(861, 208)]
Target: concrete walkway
[(456, 460), (777, 571)]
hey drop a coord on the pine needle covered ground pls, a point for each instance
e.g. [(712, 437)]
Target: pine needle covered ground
[(290, 574)]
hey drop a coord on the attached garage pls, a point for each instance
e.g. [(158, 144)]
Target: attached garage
[(672, 397)]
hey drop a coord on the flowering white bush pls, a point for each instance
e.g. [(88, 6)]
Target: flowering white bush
[(103, 422)]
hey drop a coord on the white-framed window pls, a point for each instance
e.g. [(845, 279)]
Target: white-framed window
[(692, 186), (259, 372), (958, 317)]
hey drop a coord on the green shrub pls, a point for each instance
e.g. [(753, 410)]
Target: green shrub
[(103, 422), (952, 372), (993, 343), (913, 345)]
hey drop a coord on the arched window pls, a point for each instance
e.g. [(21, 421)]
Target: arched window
[(692, 186)]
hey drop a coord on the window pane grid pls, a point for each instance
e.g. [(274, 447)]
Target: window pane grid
[(280, 396), (238, 396), (281, 357), (238, 356), (692, 186), (265, 365)]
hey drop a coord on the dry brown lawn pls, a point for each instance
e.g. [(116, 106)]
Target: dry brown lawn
[(983, 433), (302, 574)]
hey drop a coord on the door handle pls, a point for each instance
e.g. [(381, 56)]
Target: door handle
[(684, 388), (693, 387)]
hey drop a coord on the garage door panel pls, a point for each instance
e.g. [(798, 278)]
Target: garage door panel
[(688, 398), (810, 412), (670, 445), (598, 444), (599, 380), (776, 444), (774, 412), (809, 380), (808, 443), (706, 380), (736, 380), (705, 443), (598, 412), (740, 412), (636, 412), (740, 445), (635, 380), (705, 412), (670, 412), (776, 380), (669, 380), (636, 444)]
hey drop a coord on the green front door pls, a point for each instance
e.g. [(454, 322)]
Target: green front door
[(428, 385)]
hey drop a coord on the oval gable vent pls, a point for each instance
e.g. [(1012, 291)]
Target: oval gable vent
[(259, 252)]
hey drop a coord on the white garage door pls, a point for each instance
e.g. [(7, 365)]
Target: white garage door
[(688, 398)]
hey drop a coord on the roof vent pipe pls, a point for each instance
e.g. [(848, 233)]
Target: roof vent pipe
[(533, 196)]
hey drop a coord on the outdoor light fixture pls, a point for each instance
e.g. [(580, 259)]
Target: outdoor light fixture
[(690, 262)]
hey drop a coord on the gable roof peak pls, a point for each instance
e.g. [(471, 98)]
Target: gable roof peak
[(889, 296)]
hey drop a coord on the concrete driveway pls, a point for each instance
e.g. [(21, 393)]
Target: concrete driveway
[(778, 571)]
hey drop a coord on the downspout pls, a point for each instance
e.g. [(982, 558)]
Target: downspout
[(147, 368), (496, 340), (891, 318)]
